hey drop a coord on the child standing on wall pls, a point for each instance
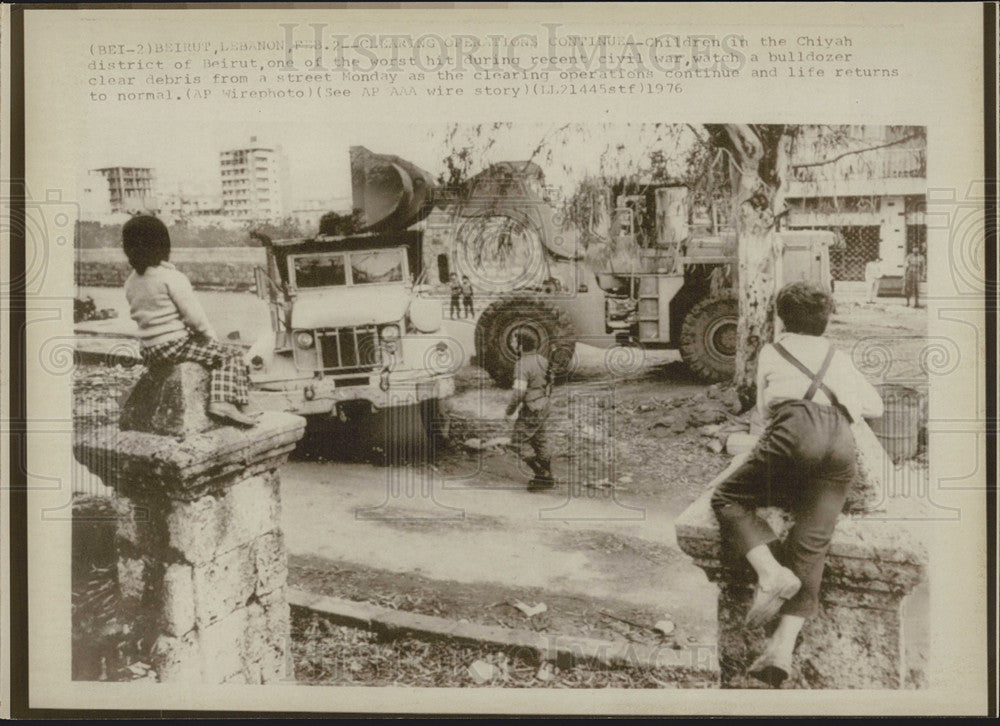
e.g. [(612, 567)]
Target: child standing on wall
[(803, 462), (173, 327)]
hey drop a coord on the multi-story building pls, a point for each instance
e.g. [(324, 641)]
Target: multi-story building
[(869, 184), (307, 212), (189, 206), (131, 189), (254, 182)]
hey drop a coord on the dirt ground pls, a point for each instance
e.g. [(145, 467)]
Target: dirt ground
[(666, 429)]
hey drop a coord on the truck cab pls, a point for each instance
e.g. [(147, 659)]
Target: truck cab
[(350, 328)]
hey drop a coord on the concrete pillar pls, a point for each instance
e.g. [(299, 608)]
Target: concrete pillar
[(201, 557), (892, 234), (856, 640)]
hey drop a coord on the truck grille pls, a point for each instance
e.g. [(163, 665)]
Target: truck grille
[(344, 350)]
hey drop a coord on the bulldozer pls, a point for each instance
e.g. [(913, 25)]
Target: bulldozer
[(677, 290)]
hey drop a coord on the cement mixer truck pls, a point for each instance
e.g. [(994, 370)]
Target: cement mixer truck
[(353, 329)]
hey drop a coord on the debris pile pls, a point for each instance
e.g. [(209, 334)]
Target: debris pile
[(714, 413)]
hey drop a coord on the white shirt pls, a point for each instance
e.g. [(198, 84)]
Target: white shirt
[(162, 303), (873, 270), (778, 380)]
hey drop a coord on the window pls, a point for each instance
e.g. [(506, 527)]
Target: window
[(319, 271), (376, 266)]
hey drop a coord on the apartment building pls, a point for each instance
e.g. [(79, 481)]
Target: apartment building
[(130, 189), (254, 182)]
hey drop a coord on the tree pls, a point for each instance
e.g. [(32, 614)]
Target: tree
[(759, 157)]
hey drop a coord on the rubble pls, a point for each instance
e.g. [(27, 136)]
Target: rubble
[(482, 672), (666, 627), (530, 610)]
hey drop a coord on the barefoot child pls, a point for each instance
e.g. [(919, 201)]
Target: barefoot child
[(172, 325), (804, 462)]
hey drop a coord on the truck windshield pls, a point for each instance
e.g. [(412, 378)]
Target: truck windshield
[(320, 271), (376, 266)]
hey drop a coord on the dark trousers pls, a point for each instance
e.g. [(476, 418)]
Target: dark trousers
[(531, 440), (911, 286), (467, 302), (804, 462), (456, 306)]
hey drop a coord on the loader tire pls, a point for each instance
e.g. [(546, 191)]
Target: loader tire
[(709, 339), (495, 351)]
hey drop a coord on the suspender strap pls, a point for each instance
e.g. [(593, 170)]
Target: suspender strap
[(817, 378)]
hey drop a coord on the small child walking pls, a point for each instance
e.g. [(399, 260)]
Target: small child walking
[(172, 324), (804, 462)]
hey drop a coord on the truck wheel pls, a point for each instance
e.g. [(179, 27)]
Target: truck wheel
[(495, 344), (401, 436), (708, 338)]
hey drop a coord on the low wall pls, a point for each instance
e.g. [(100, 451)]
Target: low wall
[(233, 276)]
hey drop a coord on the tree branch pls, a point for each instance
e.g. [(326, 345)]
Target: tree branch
[(837, 158)]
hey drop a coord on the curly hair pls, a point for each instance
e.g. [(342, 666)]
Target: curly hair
[(146, 242), (804, 308)]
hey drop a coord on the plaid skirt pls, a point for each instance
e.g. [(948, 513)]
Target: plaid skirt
[(230, 375)]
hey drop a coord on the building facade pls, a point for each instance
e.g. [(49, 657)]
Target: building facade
[(868, 184), (306, 213), (130, 189), (181, 206), (254, 182)]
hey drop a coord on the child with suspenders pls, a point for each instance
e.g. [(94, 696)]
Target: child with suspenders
[(808, 394)]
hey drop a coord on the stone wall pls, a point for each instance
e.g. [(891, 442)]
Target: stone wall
[(857, 638), (231, 276), (200, 551), (209, 576)]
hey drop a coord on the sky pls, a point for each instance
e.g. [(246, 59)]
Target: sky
[(184, 150)]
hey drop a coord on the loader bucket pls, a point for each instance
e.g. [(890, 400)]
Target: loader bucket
[(390, 192)]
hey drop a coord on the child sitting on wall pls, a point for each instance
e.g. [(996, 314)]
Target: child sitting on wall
[(172, 324)]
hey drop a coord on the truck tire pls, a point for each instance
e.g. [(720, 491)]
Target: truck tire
[(402, 436), (709, 339), (495, 330)]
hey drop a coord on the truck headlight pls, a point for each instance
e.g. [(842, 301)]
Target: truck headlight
[(389, 332), (304, 339)]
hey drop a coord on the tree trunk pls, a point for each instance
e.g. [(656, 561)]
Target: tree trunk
[(757, 243), (759, 157)]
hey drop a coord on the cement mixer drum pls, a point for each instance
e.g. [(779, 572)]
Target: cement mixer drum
[(391, 193)]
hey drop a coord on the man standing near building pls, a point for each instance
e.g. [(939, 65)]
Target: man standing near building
[(873, 274), (456, 295), (467, 297), (913, 273), (530, 401)]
